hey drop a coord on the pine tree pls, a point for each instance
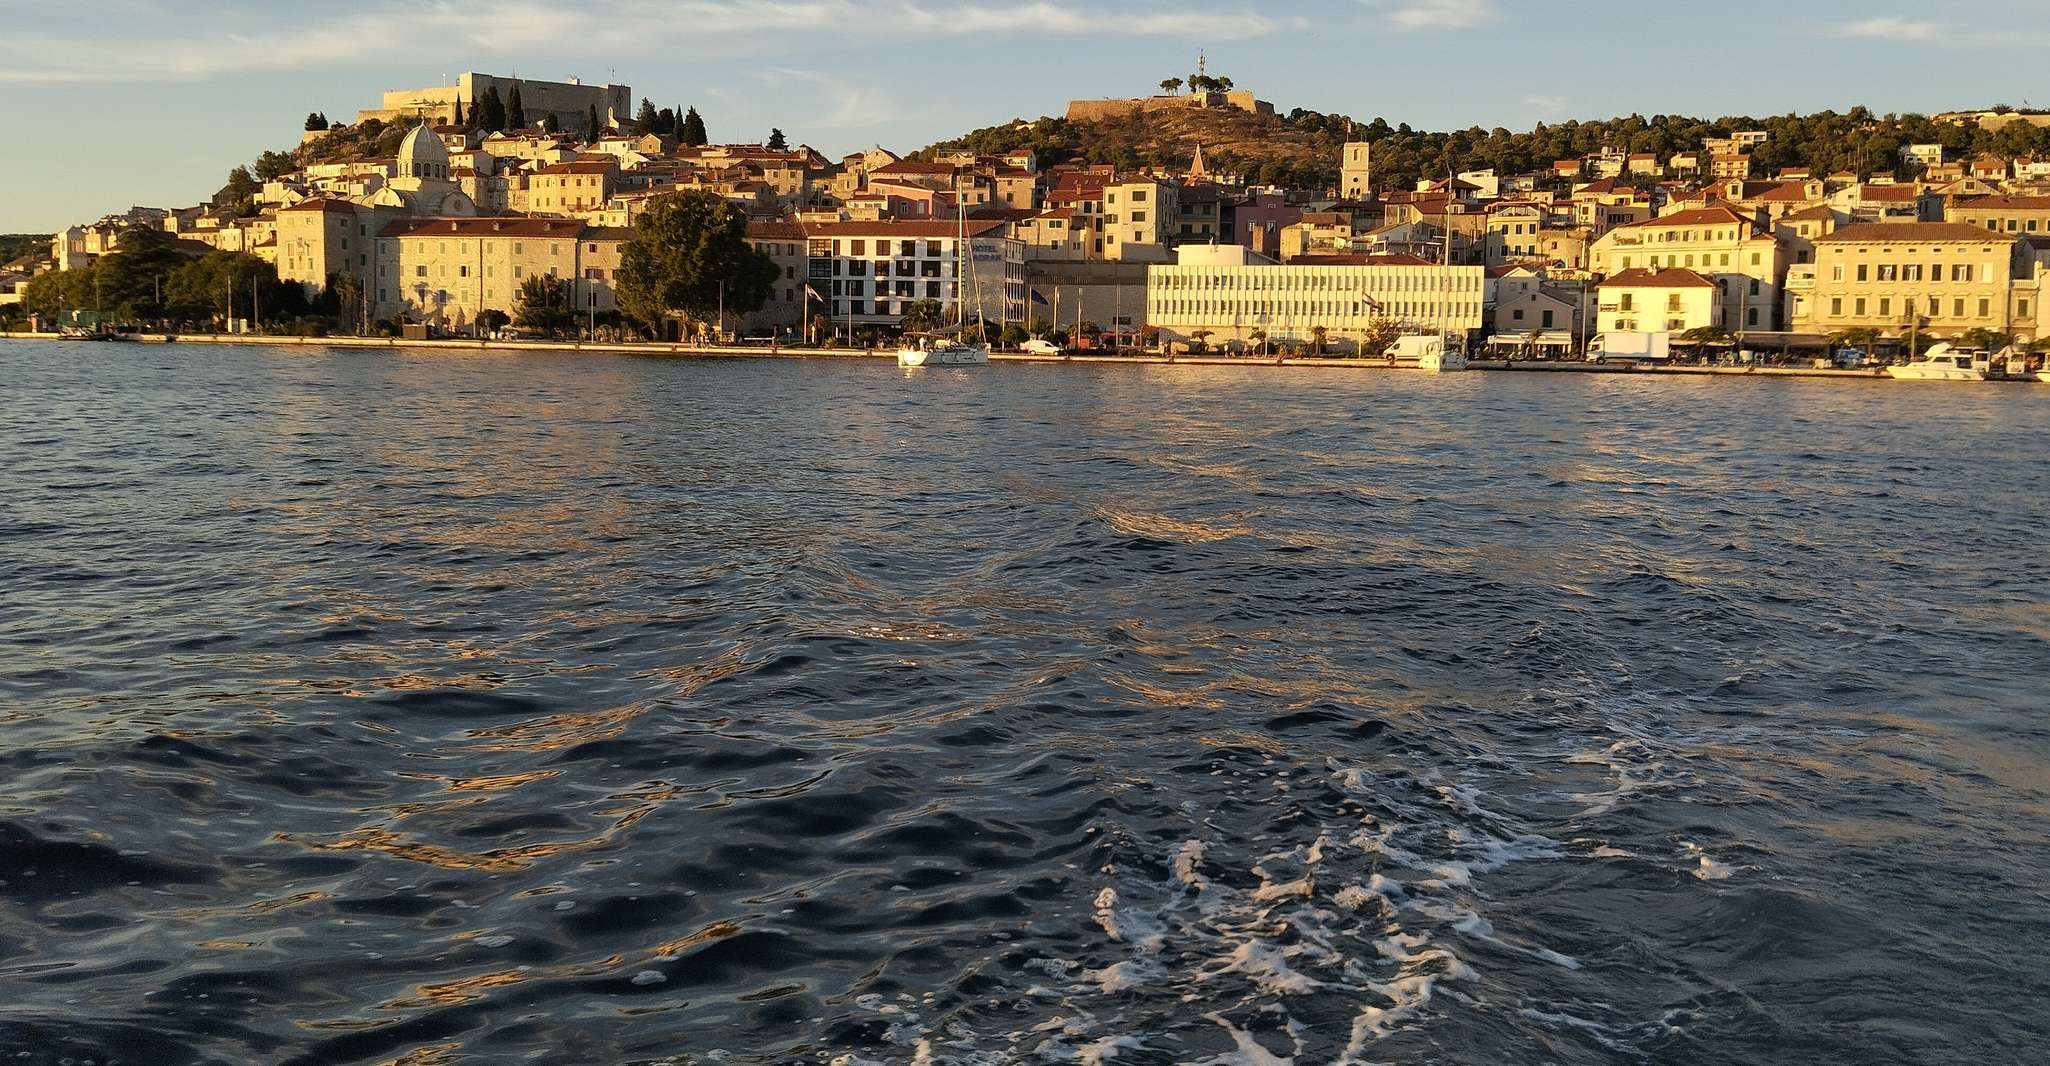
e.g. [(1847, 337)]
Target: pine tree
[(592, 131), (665, 123), (458, 120), (490, 114), (778, 142), (515, 111), (692, 131), (646, 119)]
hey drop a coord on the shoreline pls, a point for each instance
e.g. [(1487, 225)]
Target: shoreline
[(688, 351)]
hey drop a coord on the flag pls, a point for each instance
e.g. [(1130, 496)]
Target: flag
[(814, 294), (1038, 299), (1371, 302)]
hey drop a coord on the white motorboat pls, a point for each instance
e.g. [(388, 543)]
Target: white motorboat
[(927, 351), (1945, 363)]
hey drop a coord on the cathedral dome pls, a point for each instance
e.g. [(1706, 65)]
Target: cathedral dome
[(421, 155)]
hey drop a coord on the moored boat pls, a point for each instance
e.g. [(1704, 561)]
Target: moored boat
[(931, 351), (1944, 363)]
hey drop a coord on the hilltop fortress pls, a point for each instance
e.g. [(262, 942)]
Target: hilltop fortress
[(568, 103), (1096, 110), (1203, 92)]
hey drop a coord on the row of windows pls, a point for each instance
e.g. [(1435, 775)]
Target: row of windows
[(2015, 225), (906, 249), (1336, 310), (931, 290), (1420, 279), (1959, 272), (1933, 308), (1706, 260)]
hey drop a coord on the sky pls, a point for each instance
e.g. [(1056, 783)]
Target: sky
[(112, 103)]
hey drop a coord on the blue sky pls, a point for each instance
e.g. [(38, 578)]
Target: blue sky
[(116, 102)]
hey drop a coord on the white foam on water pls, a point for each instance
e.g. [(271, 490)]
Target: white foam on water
[(1706, 868), (1185, 863), (1248, 1051), (1101, 1052)]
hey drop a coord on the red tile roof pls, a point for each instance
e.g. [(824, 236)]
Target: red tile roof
[(896, 229), (565, 229), (1921, 232), (1669, 278)]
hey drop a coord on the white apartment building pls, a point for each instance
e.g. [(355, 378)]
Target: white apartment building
[(1229, 292)]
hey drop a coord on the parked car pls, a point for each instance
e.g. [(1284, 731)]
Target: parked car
[(1036, 346)]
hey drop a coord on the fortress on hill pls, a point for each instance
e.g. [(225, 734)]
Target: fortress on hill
[(1203, 92), (567, 102)]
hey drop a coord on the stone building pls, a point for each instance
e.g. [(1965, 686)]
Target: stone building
[(568, 103)]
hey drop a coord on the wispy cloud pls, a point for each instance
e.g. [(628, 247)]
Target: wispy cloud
[(1438, 15), (1891, 28), (1546, 104), (193, 47)]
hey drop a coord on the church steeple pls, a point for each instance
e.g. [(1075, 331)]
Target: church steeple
[(1198, 170)]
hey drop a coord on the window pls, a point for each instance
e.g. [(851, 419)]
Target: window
[(1673, 302), (1961, 272), (1864, 272), (1889, 272), (1985, 307), (1836, 307), (420, 271), (1958, 308), (1547, 323), (1627, 303), (1860, 307), (1752, 317), (1885, 306), (1836, 273)]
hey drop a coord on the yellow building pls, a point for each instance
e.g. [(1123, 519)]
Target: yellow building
[(445, 271), (1942, 278), (1745, 260), (1673, 300)]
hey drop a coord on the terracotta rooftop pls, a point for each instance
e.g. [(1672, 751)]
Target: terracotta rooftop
[(1669, 278), (1921, 232)]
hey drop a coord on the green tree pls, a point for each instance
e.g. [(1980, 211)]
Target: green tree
[(592, 130), (240, 191), (1013, 335), (457, 118), (778, 142), (226, 285), (544, 305), (53, 293), (1171, 86), (688, 251), (1983, 339), (515, 109), (691, 130), (647, 118), (1379, 336), (491, 320), (315, 121), (923, 316), (665, 122), (1258, 338), (270, 166), (129, 284), (1701, 338), (490, 113)]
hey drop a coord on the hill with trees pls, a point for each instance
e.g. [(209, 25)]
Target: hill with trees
[(1301, 149)]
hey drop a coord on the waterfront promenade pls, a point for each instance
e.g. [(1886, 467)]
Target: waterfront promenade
[(693, 351)]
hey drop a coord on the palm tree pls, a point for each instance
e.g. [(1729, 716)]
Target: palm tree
[(1202, 339), (1259, 337), (1317, 335)]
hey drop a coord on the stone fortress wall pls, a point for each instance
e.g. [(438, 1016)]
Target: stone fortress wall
[(1097, 110)]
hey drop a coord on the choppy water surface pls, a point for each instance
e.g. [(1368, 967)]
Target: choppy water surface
[(384, 708)]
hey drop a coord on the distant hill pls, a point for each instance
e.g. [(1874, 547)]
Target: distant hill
[(15, 245), (1301, 149), (1262, 148)]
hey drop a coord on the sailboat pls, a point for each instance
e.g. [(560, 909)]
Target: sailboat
[(949, 347)]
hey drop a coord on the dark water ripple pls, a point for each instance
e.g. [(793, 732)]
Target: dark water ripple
[(376, 708)]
